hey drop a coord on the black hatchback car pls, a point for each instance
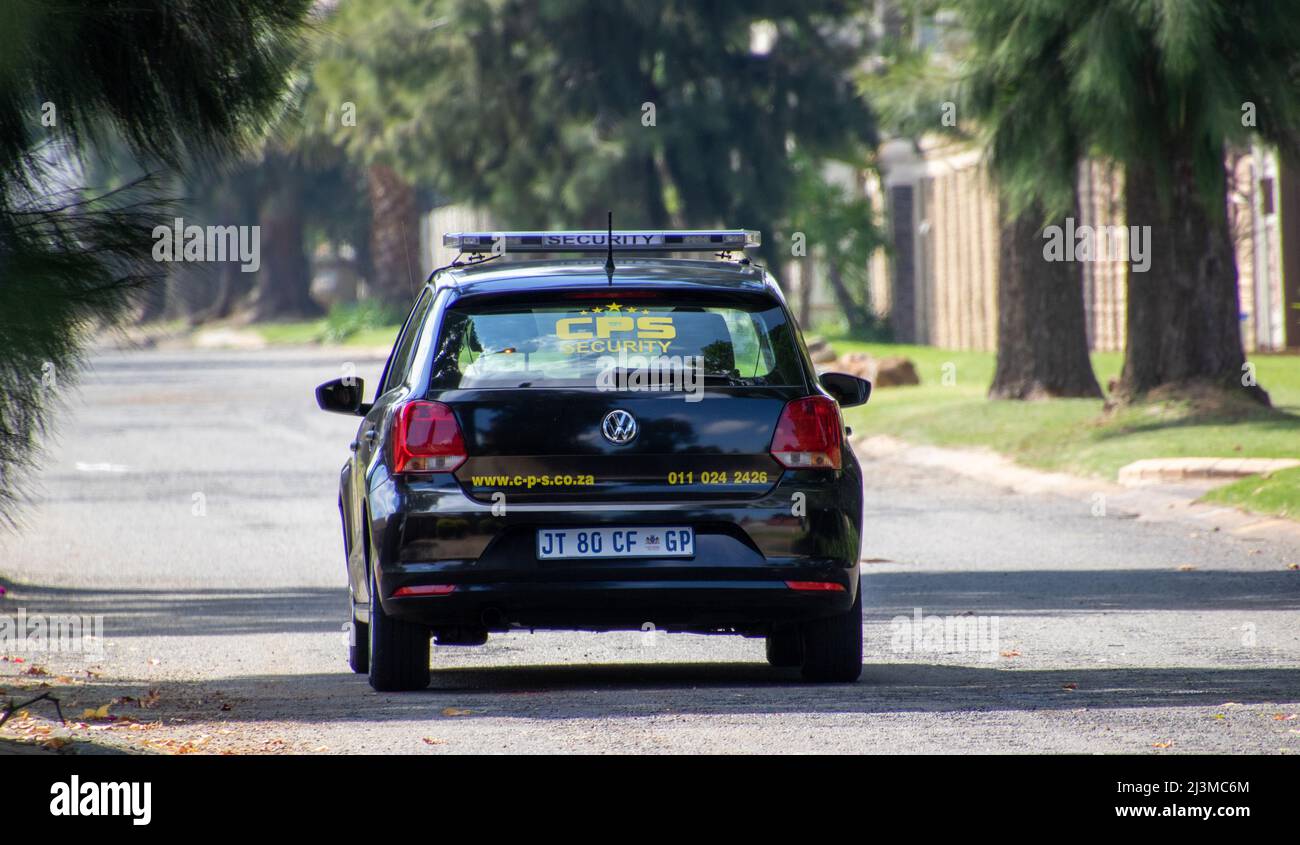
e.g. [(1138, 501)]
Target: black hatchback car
[(570, 444)]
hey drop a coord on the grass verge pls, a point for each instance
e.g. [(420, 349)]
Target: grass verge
[(304, 332), (363, 323), (950, 408), (1277, 493)]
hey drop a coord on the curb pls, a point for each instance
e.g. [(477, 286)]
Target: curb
[(1167, 470), (1155, 501)]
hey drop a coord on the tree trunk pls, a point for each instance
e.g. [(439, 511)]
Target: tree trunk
[(1183, 313), (235, 201), (284, 278), (807, 278), (394, 237), (858, 317), (153, 300), (232, 286), (1042, 332)]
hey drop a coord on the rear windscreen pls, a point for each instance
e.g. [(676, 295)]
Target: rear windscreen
[(580, 342)]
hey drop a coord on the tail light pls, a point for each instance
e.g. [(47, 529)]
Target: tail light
[(808, 434), (816, 586), (426, 438), (604, 294), (425, 590)]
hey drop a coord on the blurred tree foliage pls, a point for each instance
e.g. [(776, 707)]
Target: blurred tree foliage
[(547, 114), (299, 187), (838, 222), (177, 82)]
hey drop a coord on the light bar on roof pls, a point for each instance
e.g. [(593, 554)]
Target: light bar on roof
[(644, 240)]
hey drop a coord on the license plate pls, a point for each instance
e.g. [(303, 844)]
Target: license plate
[(555, 543)]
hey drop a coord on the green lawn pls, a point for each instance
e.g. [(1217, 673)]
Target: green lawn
[(317, 331), (1278, 493), (1073, 435)]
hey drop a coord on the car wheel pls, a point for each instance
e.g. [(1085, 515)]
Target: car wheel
[(832, 647), (785, 647), (358, 645), (399, 650)]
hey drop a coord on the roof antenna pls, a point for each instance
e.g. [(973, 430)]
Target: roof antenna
[(609, 255)]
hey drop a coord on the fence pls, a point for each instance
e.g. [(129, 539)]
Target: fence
[(943, 271)]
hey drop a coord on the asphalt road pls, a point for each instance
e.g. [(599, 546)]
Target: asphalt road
[(190, 500)]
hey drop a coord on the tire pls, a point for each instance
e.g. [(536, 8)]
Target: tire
[(399, 650), (359, 646), (832, 647), (785, 648)]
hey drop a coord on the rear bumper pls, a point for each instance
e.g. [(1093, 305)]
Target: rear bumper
[(679, 598)]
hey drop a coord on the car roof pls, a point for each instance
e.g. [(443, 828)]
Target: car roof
[(501, 277)]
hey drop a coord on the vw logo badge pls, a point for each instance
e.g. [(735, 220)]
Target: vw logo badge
[(619, 427)]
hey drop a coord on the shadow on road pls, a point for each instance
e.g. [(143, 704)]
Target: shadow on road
[(613, 691), (630, 690), (1040, 592), (220, 612), (189, 613)]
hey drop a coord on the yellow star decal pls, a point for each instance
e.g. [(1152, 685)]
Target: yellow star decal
[(596, 310), (614, 306)]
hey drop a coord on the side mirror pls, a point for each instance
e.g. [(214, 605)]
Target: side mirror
[(846, 389), (342, 396)]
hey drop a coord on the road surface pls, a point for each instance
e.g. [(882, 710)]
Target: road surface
[(190, 501)]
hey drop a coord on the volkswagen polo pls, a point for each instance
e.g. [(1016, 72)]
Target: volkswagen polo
[(571, 444)]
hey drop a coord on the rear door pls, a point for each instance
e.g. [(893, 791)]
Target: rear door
[(396, 375), (621, 395)]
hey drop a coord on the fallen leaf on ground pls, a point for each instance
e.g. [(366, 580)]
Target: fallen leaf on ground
[(428, 740), (96, 712), (1162, 745), (1010, 654), (173, 746), (1187, 567), (455, 711), (1069, 686)]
